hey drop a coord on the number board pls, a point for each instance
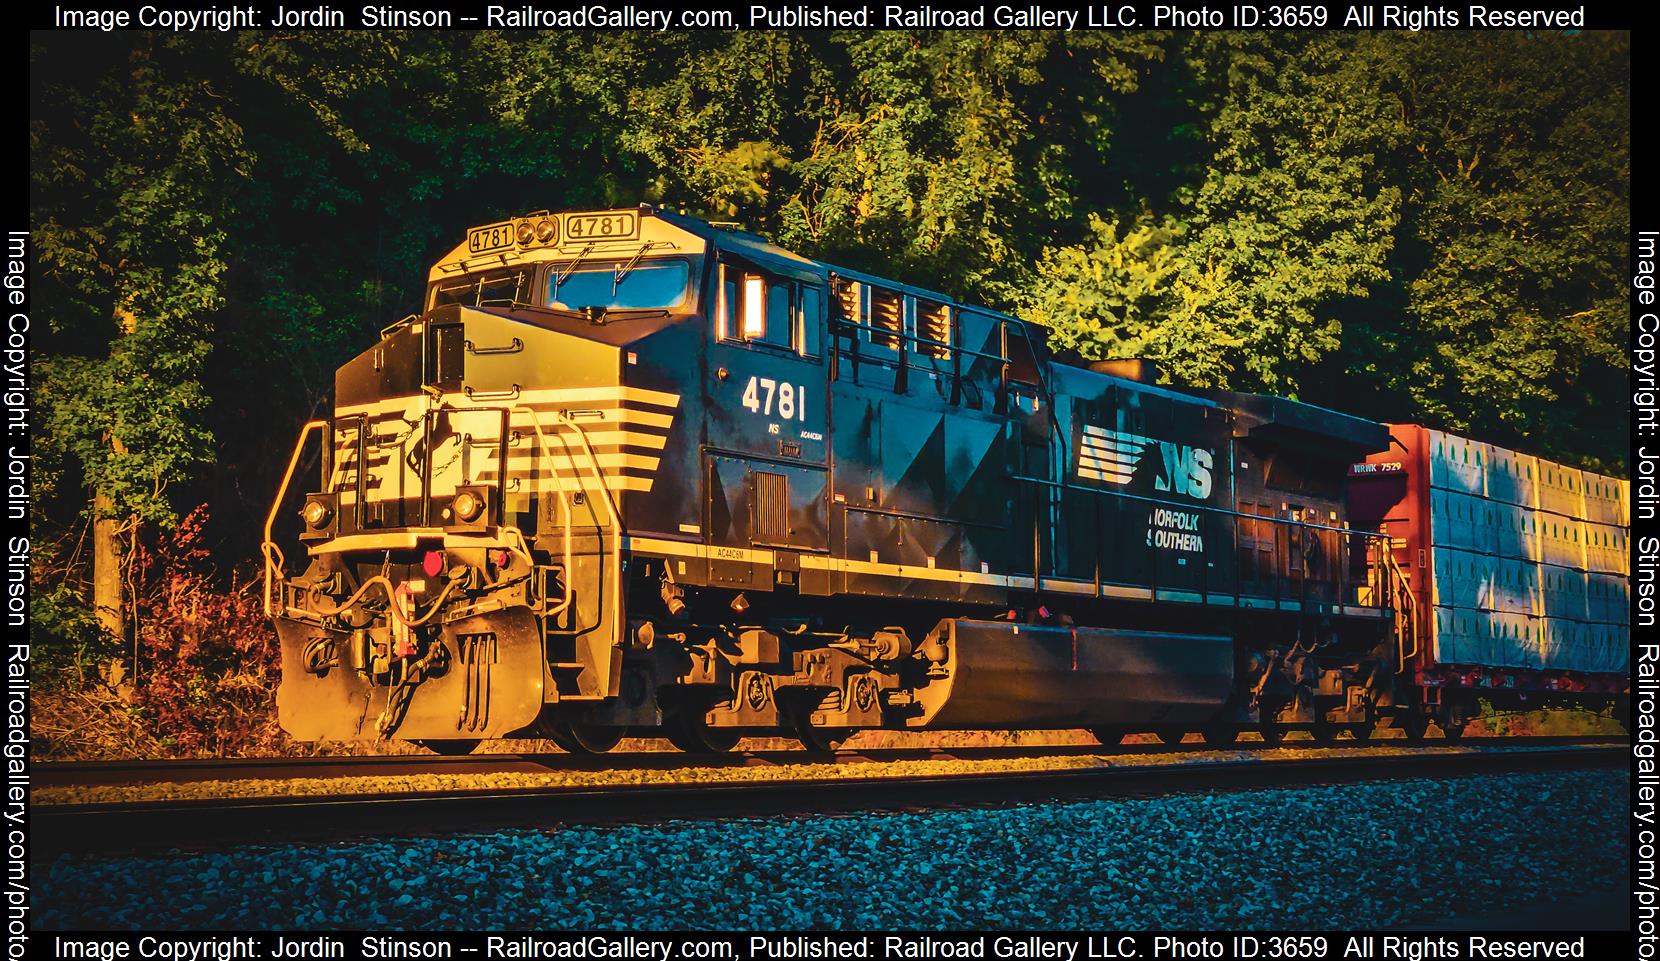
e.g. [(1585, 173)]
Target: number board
[(622, 225), (486, 240)]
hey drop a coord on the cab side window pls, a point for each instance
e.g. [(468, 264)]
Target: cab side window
[(812, 319), (778, 327), (755, 307)]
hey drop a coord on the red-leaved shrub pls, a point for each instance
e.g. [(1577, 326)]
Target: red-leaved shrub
[(208, 658)]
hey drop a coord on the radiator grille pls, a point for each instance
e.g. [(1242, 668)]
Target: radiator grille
[(772, 496)]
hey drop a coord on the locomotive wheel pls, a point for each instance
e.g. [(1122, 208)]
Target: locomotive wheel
[(1413, 725), (676, 733), (798, 721), (1362, 732), (1172, 737), (1109, 736), (1271, 734), (579, 737), (1220, 735), (451, 748), (689, 732), (819, 740), (1452, 720), (1323, 733)]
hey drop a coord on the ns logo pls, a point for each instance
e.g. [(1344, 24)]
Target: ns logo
[(1119, 457), (1185, 470)]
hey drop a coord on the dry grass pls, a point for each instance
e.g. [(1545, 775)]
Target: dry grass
[(90, 723)]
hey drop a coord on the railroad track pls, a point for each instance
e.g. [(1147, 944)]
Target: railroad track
[(157, 825), (187, 770)]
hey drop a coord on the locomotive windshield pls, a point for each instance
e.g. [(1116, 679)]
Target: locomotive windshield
[(651, 285), (493, 288)]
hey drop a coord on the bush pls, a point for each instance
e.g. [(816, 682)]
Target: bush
[(207, 671), (208, 658)]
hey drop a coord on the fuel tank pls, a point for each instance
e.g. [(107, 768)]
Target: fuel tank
[(999, 674)]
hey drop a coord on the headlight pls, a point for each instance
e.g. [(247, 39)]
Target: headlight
[(467, 506), (526, 233), (315, 513), (546, 230)]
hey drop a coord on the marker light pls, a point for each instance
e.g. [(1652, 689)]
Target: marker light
[(315, 513), (467, 506)]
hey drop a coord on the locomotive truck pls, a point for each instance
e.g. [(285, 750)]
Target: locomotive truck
[(631, 471)]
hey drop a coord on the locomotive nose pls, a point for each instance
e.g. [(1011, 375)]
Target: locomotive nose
[(573, 424)]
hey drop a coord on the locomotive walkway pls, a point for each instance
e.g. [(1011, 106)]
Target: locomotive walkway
[(207, 823)]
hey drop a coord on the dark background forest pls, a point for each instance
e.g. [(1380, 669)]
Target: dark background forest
[(1423, 227)]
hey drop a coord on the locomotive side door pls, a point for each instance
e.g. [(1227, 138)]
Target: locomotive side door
[(1031, 452), (765, 459)]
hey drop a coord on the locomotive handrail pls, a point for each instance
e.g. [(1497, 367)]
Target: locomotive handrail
[(1198, 507), (901, 335), (509, 394), (1048, 396), (1280, 524), (618, 615), (564, 506), (1400, 589), (1043, 385), (391, 327), (513, 348), (360, 485), (267, 546)]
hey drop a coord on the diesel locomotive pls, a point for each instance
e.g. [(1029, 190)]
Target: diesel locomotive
[(631, 471)]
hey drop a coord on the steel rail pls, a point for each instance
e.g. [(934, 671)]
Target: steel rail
[(189, 770), (109, 828)]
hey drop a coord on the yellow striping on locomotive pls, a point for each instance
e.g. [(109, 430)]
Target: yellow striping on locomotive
[(567, 464)]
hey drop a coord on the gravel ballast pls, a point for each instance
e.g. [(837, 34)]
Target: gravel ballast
[(1359, 855)]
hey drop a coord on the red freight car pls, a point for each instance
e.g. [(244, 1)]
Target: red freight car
[(1518, 566)]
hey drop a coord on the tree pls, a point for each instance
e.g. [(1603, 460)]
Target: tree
[(1516, 175), (128, 167), (1232, 280)]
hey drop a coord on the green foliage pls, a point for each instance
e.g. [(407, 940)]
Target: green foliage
[(129, 168), (1516, 175), (952, 156), (1122, 296), (1287, 215), (67, 644), (1438, 216)]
